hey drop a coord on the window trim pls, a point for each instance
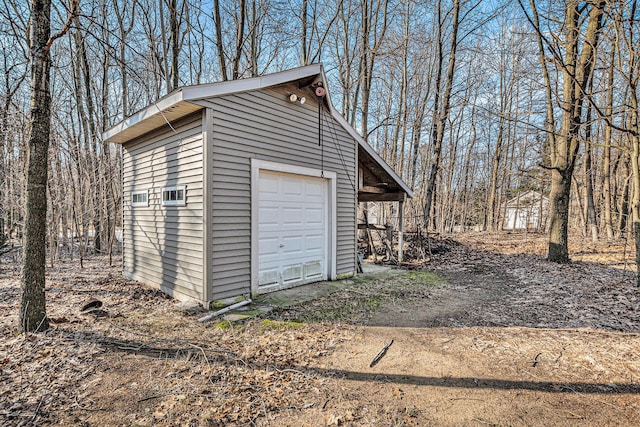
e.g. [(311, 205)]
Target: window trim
[(140, 204), (177, 202)]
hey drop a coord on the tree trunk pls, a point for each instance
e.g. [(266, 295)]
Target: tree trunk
[(253, 40), (635, 168), (175, 44), (441, 114), (242, 9), (33, 312), (303, 36), (492, 206), (577, 72), (374, 23), (635, 215), (222, 61), (123, 32), (163, 58), (606, 159), (623, 214), (559, 219), (91, 136), (591, 221)]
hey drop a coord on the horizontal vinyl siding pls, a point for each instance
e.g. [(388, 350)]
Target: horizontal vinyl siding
[(163, 245), (265, 125)]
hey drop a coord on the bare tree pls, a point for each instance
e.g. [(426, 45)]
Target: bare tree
[(591, 223), (33, 312), (628, 46), (222, 59), (374, 27), (576, 63), (442, 103), (314, 30), (606, 156), (174, 37), (240, 37)]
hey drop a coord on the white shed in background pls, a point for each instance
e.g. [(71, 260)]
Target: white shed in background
[(526, 211)]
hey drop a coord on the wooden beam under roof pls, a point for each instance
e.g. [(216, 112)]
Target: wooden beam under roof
[(372, 189), (384, 197)]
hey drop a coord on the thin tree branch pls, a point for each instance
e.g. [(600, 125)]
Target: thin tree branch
[(67, 25)]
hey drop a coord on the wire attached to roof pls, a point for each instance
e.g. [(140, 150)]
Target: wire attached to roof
[(320, 94), (332, 128)]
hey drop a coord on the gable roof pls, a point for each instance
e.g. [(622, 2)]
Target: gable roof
[(527, 198), (183, 101)]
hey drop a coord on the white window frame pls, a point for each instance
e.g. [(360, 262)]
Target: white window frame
[(140, 204), (179, 202)]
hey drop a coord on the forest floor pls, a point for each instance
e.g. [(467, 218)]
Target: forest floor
[(485, 332)]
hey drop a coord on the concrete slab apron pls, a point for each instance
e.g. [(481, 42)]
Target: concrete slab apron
[(298, 295)]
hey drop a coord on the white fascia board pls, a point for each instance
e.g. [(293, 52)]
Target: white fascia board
[(194, 93), (152, 110), (364, 144), (198, 92)]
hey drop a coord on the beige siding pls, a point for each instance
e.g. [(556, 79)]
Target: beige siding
[(265, 125), (163, 245)]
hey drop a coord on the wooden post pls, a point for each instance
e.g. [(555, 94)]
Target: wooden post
[(400, 230)]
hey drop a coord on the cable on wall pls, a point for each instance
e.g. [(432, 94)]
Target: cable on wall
[(331, 125), (320, 92)]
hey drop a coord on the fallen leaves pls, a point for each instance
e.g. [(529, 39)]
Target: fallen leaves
[(149, 362), (119, 351), (339, 419), (516, 286)]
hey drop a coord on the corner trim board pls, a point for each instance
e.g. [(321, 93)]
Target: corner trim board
[(207, 215)]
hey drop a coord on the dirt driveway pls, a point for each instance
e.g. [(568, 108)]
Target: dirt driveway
[(488, 338), (481, 336)]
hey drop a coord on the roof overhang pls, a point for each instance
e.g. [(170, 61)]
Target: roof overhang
[(377, 183), (184, 101), (159, 114), (365, 151)]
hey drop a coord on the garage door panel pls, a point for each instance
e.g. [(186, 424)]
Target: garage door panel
[(314, 187), (292, 186), (313, 270), (292, 245), (293, 229), (268, 216), (314, 217), (314, 242), (269, 277), (268, 184), (292, 274), (269, 247), (292, 216)]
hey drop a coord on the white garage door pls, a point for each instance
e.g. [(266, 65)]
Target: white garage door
[(292, 229)]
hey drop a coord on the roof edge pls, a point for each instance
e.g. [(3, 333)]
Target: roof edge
[(191, 94), (198, 92), (151, 110), (369, 149), (195, 93)]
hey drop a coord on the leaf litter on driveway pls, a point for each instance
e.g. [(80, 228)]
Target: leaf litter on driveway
[(481, 336)]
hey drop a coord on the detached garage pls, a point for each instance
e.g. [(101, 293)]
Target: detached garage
[(244, 187)]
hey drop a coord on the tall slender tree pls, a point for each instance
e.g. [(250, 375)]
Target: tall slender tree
[(442, 104), (33, 312), (576, 62)]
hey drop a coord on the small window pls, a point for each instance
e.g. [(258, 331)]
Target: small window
[(140, 198), (174, 196)]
